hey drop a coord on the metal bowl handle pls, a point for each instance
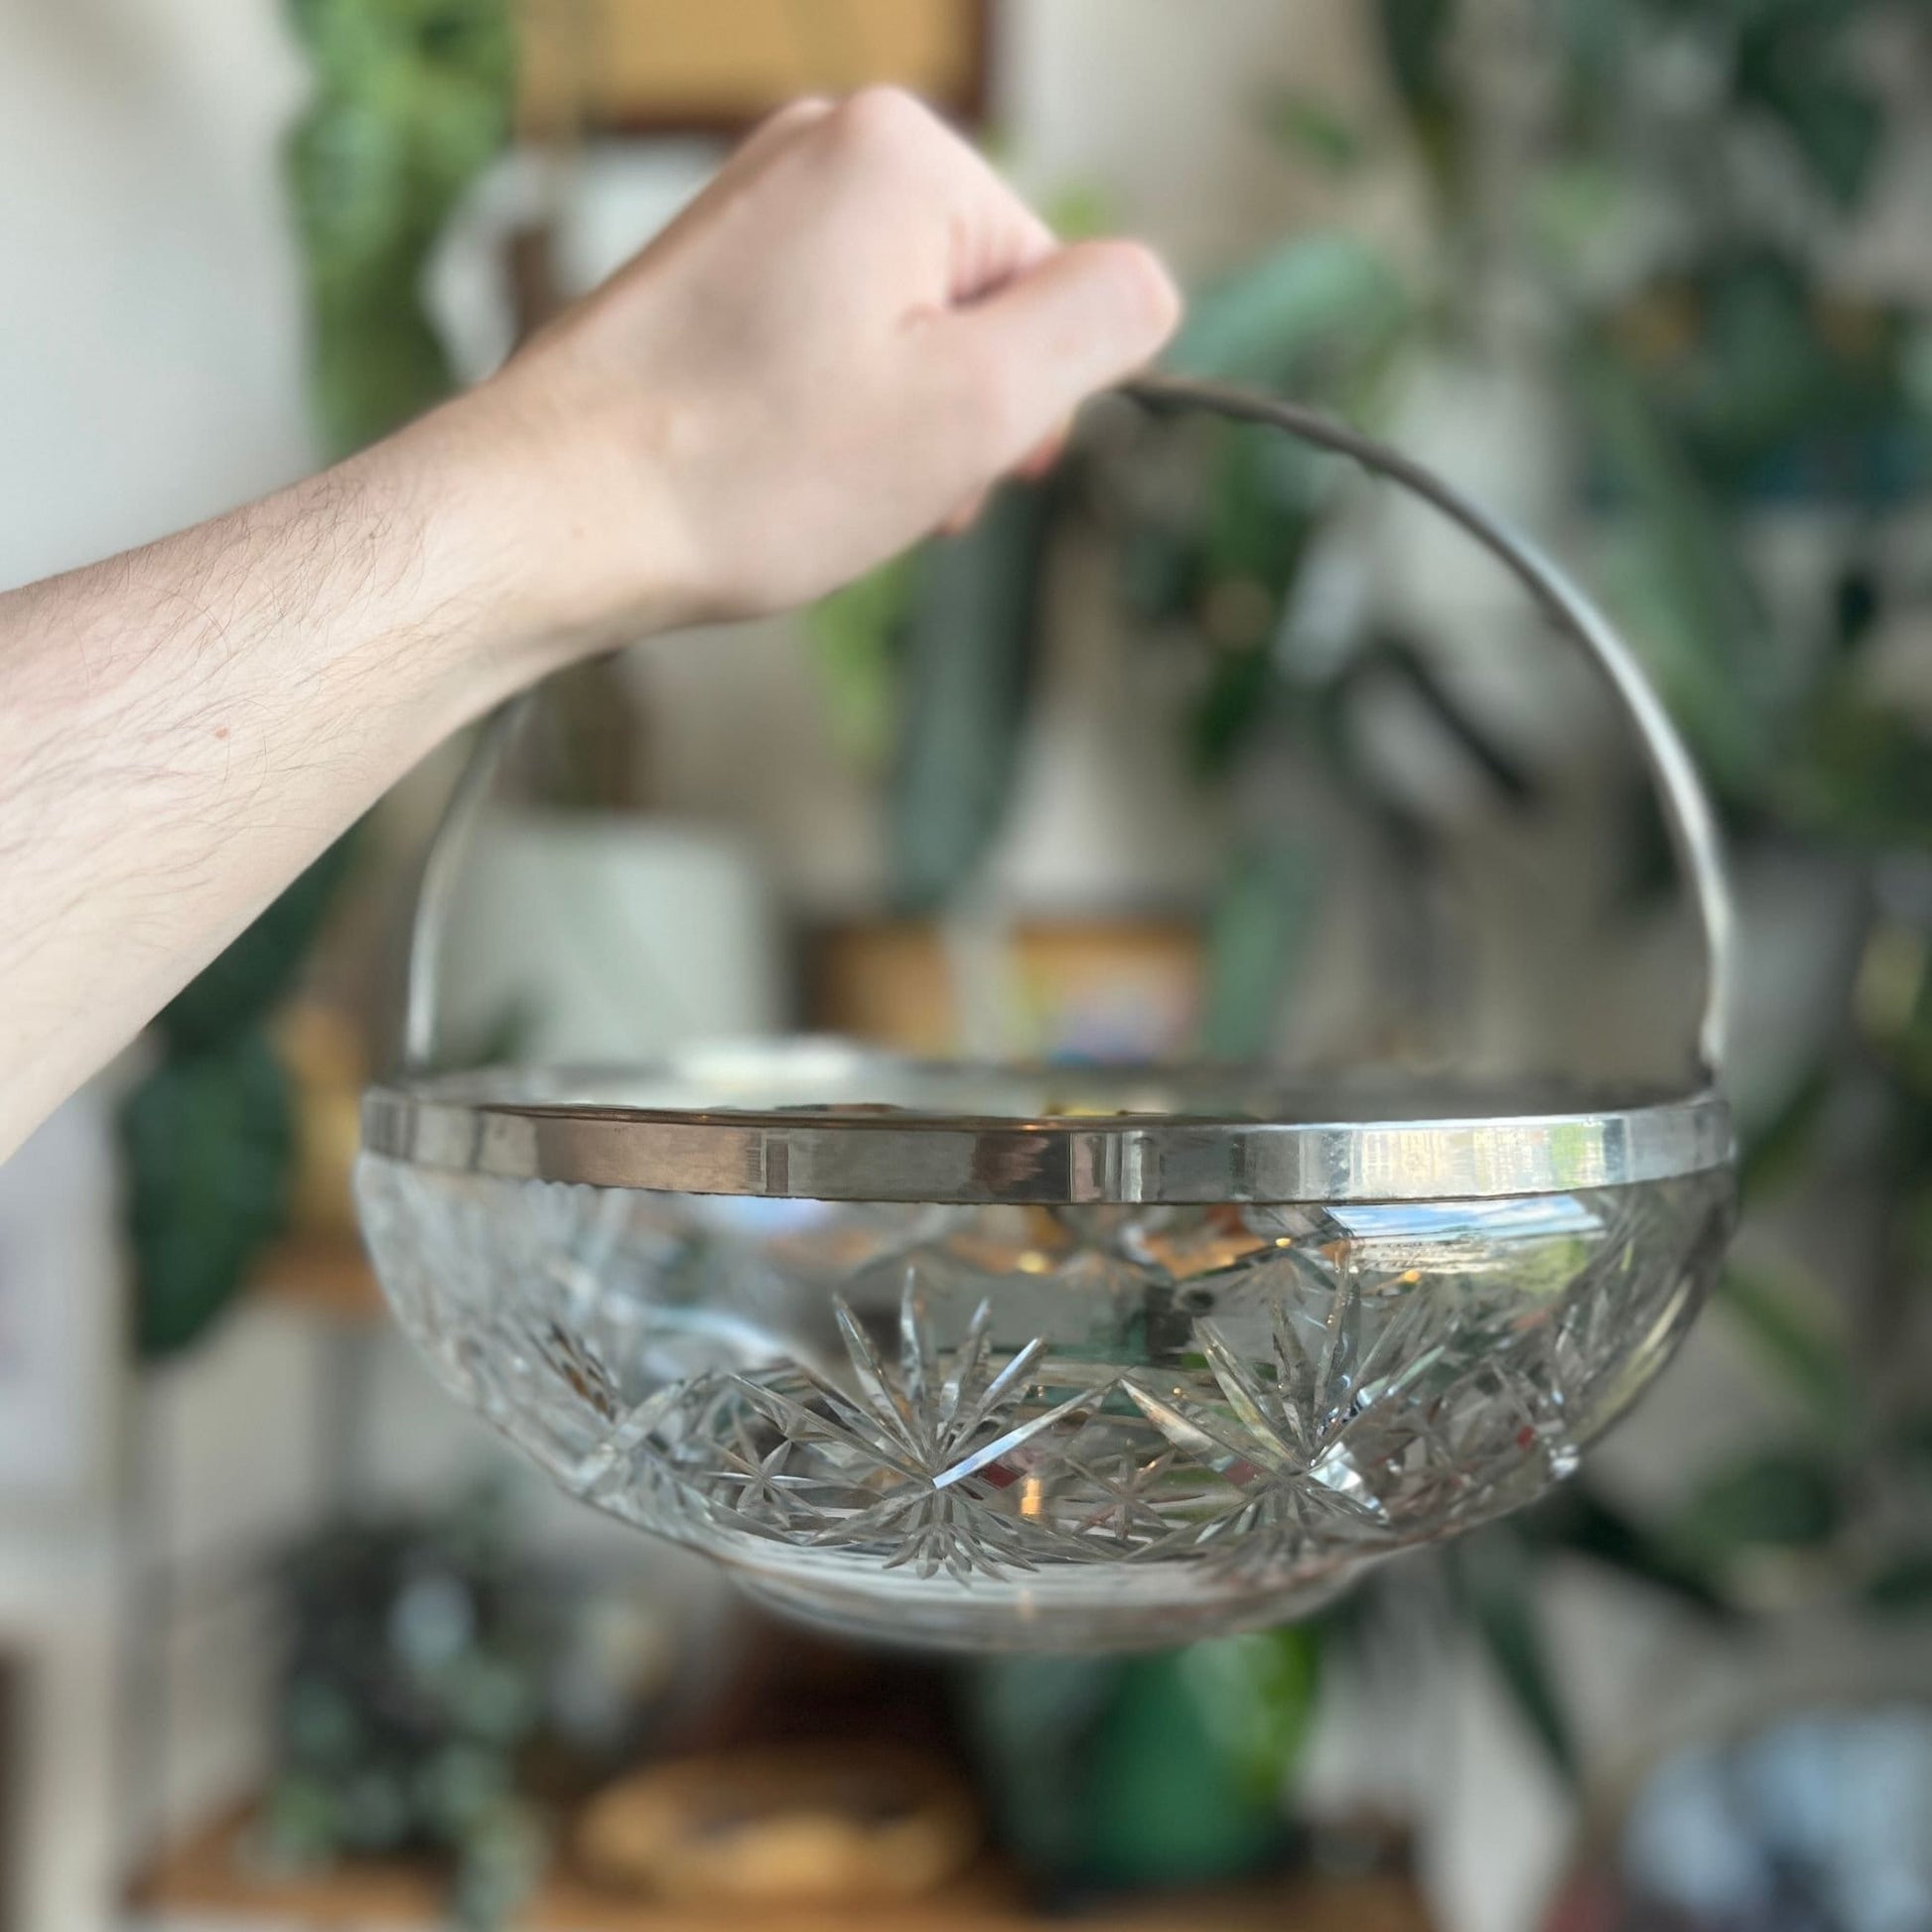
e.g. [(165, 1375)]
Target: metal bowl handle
[(1693, 827)]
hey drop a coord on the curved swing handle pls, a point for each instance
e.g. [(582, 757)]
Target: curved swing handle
[(1694, 830), (1693, 826)]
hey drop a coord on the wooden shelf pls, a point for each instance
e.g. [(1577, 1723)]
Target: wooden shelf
[(327, 1275), (204, 1883)]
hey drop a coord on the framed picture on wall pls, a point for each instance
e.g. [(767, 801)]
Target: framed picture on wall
[(698, 66)]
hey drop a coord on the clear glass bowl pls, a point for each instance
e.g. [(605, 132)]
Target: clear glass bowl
[(1020, 1359), (1047, 1424)]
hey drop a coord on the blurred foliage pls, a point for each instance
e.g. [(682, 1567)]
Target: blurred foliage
[(1493, 1581), (1109, 1773), (1678, 230), (969, 649), (412, 101), (1704, 168), (207, 1133), (243, 985), (1259, 925), (416, 1687), (208, 1141), (858, 638)]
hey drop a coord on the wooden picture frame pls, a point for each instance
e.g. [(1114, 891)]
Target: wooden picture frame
[(1087, 990), (716, 67)]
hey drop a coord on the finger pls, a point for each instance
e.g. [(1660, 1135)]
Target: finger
[(774, 136), (997, 236), (966, 516), (1047, 453), (1086, 317), (941, 185), (776, 129)]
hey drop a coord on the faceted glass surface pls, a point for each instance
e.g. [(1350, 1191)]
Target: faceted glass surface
[(1043, 1427)]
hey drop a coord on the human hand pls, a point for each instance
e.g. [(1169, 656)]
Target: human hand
[(844, 340), (852, 332)]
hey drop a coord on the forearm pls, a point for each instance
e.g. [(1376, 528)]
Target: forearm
[(839, 347), (186, 726)]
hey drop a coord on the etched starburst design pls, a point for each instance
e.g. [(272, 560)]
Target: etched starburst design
[(917, 1459), (1231, 1406), (1303, 1436)]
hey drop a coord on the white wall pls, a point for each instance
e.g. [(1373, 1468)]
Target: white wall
[(150, 335)]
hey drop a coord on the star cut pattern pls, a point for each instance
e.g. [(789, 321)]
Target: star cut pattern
[(919, 1454), (1275, 1406)]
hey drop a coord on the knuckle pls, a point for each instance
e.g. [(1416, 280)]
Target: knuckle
[(801, 112), (1146, 286), (885, 116)]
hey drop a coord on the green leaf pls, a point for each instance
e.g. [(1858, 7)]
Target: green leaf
[(1403, 658), (1415, 42), (1903, 1588), (1782, 1499), (1793, 71), (1796, 1337), (1865, 775), (858, 635), (1858, 600), (413, 103), (972, 644), (1309, 128), (237, 989), (1259, 935), (1033, 1720), (209, 1140), (1081, 210), (1573, 202), (1765, 388), (1581, 1523), (1160, 572), (1695, 610), (1262, 514), (1257, 1695), (1773, 1155), (1323, 299), (374, 364), (1233, 706), (1496, 1587), (1170, 1802), (1263, 499), (1415, 38)]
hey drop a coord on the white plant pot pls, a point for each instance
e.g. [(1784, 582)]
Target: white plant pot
[(605, 937)]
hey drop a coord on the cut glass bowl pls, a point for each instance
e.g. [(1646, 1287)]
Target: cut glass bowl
[(998, 1358), (1034, 1423)]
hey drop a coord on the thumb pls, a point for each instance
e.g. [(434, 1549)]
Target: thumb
[(1086, 315)]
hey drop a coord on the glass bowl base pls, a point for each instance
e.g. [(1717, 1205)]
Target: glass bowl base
[(1067, 1612)]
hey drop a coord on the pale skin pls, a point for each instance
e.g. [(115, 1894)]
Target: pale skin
[(843, 342)]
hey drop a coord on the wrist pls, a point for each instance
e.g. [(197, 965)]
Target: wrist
[(538, 543)]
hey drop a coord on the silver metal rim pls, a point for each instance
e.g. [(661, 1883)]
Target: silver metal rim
[(1118, 1158)]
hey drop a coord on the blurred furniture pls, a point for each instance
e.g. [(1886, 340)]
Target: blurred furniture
[(61, 1308), (596, 937), (663, 65), (200, 1887), (1080, 989), (830, 1826)]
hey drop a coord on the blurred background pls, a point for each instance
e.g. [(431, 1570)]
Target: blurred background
[(1198, 746)]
